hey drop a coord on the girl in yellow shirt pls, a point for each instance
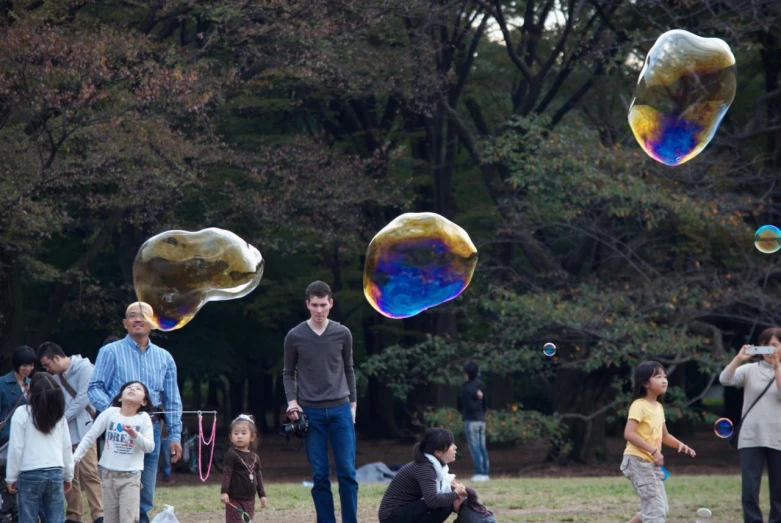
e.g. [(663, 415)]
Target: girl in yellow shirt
[(645, 433)]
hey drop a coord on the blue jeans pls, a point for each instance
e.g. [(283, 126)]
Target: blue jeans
[(335, 424), (149, 476), (41, 489), (165, 453), (475, 437)]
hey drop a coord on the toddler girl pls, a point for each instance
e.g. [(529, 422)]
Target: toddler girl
[(241, 473)]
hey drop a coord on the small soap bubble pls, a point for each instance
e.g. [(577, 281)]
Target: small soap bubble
[(417, 261), (549, 349), (178, 272), (703, 516), (767, 239), (723, 428), (684, 90)]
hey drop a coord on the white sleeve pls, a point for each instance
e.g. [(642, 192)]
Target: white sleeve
[(735, 380), (145, 439), (98, 427), (16, 444), (67, 451)]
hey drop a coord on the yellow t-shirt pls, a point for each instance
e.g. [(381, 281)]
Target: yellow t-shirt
[(650, 429)]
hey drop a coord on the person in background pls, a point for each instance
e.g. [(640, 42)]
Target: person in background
[(473, 406), (13, 387), (759, 440)]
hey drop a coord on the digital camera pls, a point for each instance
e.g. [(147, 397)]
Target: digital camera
[(299, 427)]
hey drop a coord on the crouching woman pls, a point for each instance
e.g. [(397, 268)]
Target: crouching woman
[(424, 491)]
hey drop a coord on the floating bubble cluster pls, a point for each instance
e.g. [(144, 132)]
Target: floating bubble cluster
[(416, 262), (549, 349), (768, 239), (684, 90), (723, 428), (178, 272)]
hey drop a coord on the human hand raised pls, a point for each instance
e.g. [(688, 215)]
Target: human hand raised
[(742, 356)]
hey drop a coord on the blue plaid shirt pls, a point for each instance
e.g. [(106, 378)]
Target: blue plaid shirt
[(123, 361)]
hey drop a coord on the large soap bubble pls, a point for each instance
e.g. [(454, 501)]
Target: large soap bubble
[(177, 272), (684, 90), (417, 261)]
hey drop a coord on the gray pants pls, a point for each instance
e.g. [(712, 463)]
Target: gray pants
[(649, 488), (752, 462), (121, 496)]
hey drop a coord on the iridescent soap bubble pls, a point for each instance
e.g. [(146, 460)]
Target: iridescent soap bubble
[(703, 515), (768, 239), (178, 272), (416, 262), (549, 349), (684, 90), (723, 428)]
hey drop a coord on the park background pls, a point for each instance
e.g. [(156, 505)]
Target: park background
[(306, 126)]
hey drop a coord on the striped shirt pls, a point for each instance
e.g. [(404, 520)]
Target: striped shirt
[(124, 361), (413, 482)]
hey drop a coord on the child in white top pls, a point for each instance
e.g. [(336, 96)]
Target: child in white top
[(40, 465), (129, 435)]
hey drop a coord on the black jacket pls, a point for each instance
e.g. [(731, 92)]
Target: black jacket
[(472, 408)]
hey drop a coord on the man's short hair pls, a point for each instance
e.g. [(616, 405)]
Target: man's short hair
[(146, 309), (49, 350), (470, 369), (319, 289)]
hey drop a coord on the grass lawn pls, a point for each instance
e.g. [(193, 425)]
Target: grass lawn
[(598, 500)]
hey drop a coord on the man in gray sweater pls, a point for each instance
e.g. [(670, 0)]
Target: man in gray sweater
[(320, 381)]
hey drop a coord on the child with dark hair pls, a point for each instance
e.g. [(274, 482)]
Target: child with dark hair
[(129, 435), (424, 491), (241, 473), (40, 464), (645, 433), (473, 406)]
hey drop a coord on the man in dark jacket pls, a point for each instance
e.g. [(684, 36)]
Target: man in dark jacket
[(473, 405)]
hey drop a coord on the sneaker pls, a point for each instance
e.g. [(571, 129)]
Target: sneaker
[(169, 480), (479, 477)]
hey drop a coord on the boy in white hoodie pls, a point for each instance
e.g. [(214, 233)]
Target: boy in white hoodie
[(73, 374)]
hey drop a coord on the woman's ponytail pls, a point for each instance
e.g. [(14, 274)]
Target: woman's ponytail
[(433, 439)]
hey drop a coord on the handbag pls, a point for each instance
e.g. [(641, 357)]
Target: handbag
[(733, 440)]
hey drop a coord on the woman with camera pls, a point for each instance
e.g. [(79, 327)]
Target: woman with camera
[(423, 491), (760, 429)]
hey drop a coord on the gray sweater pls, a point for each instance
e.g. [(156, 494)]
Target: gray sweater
[(321, 367), (762, 426), (78, 375)]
